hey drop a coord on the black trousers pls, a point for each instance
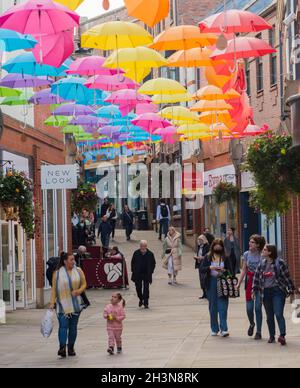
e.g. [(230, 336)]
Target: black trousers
[(142, 290), (128, 230)]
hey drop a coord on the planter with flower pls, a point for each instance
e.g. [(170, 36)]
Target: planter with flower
[(16, 198), (225, 192), (84, 197), (275, 167)]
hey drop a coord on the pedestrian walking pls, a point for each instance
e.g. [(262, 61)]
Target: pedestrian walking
[(163, 217), (251, 260), (104, 207), (142, 266), (128, 221), (172, 255), (114, 314), (112, 216), (104, 231), (68, 285), (210, 237), (233, 249), (273, 282), (203, 249), (214, 265)]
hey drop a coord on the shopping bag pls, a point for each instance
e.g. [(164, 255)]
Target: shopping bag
[(227, 287), (47, 324)]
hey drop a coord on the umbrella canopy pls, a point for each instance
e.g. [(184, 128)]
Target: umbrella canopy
[(208, 106), (45, 97), (145, 108), (90, 66), (109, 112), (27, 64), (212, 117), (24, 81), (72, 4), (212, 92), (72, 129), (12, 40), (234, 21), (87, 121), (243, 47), (111, 83), (168, 135), (254, 130), (179, 113), (109, 130), (150, 122), (129, 58), (57, 121), (8, 92), (15, 100), (171, 99), (127, 96), (182, 38), (138, 74), (115, 35), (196, 57), (73, 110), (193, 129), (150, 13), (162, 86)]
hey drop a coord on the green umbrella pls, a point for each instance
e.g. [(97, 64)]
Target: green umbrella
[(57, 121), (73, 129), (8, 92), (15, 100)]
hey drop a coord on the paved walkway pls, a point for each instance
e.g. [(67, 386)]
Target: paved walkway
[(173, 333)]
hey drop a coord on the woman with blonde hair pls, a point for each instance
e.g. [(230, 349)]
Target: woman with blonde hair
[(172, 254), (202, 250)]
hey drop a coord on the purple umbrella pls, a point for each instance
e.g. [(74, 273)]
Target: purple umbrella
[(45, 97), (88, 120), (24, 81), (73, 110), (109, 130)]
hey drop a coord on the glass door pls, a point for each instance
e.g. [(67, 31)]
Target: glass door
[(18, 253), (6, 267)]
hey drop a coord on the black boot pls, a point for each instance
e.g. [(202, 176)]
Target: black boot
[(71, 351), (62, 352)]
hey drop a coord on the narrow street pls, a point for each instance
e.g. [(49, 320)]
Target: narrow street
[(173, 333)]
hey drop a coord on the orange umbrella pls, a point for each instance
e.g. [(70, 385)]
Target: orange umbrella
[(150, 12), (182, 38), (195, 57), (212, 117), (208, 106), (212, 92), (214, 78)]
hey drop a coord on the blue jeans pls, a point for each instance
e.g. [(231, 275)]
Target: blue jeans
[(257, 307), (67, 331), (274, 302), (163, 227), (218, 308)]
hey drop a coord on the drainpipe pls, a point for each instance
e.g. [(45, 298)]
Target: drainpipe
[(294, 103)]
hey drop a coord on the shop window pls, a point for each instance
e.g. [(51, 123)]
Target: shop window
[(273, 58), (259, 71)]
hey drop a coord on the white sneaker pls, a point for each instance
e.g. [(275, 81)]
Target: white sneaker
[(213, 334), (224, 334)]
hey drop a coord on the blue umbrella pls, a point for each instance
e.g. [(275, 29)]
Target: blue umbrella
[(11, 40), (27, 64), (109, 112)]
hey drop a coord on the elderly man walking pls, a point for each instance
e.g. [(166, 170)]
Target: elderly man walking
[(142, 267)]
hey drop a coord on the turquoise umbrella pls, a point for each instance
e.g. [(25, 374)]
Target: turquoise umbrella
[(11, 40)]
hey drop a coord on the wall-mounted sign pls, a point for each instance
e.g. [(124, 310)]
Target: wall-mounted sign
[(59, 177), (214, 177)]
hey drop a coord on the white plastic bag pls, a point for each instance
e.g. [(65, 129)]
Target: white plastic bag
[(47, 324)]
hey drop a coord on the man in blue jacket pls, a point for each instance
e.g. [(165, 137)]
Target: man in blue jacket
[(104, 231)]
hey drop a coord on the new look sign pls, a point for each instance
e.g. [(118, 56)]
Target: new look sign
[(59, 177)]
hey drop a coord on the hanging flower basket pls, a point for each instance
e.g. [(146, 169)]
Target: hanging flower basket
[(84, 197), (225, 192), (16, 198)]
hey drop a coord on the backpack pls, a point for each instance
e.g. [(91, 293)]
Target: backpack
[(52, 264), (164, 211)]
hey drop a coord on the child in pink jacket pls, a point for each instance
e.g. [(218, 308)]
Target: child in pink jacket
[(114, 313)]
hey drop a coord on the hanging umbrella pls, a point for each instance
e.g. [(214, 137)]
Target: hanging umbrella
[(27, 64), (196, 57), (115, 35), (72, 129), (255, 130), (57, 121), (214, 78), (234, 21), (150, 13), (11, 40), (150, 122), (212, 92), (193, 128), (208, 106), (145, 108), (87, 121), (179, 113), (162, 86), (73, 110), (45, 97), (72, 4), (91, 66), (24, 81), (127, 96), (8, 92), (15, 100), (212, 117), (171, 99), (109, 112), (168, 135), (110, 83), (243, 47), (138, 74), (183, 37), (109, 130)]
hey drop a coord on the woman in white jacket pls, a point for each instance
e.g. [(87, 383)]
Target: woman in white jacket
[(172, 254)]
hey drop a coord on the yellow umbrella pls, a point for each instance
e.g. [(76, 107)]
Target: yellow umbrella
[(193, 129), (208, 106), (115, 35), (196, 57), (171, 99), (220, 127), (179, 114), (182, 38), (212, 92), (72, 4), (135, 58), (162, 86), (212, 117), (138, 74)]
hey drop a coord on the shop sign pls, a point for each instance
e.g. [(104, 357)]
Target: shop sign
[(247, 181), (56, 177), (213, 177), (2, 312)]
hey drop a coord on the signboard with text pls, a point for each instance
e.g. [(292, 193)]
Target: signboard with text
[(214, 177), (59, 177)]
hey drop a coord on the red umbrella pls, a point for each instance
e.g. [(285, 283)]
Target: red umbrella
[(243, 47), (235, 21)]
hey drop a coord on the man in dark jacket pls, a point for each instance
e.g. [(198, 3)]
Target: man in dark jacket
[(104, 207), (142, 267), (128, 220), (104, 231)]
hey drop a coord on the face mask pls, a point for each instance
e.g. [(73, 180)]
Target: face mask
[(218, 251)]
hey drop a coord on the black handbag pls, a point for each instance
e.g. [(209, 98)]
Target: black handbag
[(85, 302)]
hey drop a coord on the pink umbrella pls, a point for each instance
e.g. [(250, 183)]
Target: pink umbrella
[(111, 83), (127, 99), (150, 122), (146, 108), (168, 135), (254, 130), (91, 66)]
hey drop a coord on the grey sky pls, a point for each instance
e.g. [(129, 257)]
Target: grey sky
[(92, 8)]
